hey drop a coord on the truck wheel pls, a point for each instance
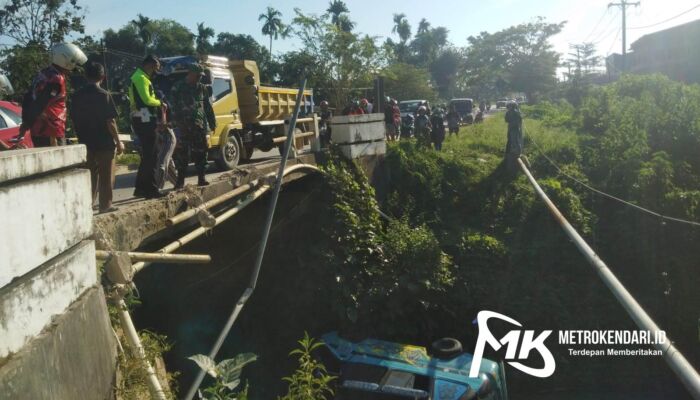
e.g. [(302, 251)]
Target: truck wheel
[(229, 152), (446, 348)]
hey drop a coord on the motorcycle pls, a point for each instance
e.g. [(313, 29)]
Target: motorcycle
[(407, 126)]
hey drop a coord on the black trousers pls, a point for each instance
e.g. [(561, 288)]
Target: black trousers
[(146, 176)]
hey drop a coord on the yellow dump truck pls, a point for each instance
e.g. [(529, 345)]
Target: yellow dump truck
[(248, 116)]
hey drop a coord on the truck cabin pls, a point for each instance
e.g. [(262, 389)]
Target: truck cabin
[(463, 106)]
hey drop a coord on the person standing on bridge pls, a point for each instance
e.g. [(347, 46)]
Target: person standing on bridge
[(193, 113), (145, 108), (44, 107), (94, 117), (514, 146)]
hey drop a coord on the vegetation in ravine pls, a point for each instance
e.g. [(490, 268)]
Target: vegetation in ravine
[(466, 234)]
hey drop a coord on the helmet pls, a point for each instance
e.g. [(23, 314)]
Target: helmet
[(5, 86), (422, 110), (364, 102), (67, 56), (324, 104), (393, 102), (512, 105)]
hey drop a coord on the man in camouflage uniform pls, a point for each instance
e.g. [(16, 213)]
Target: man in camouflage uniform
[(194, 117)]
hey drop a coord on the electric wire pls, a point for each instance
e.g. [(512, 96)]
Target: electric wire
[(666, 20), (602, 17), (600, 192)]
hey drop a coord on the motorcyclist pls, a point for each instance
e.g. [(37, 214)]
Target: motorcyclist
[(437, 135), (453, 119), (44, 108), (365, 106), (514, 146), (325, 123), (423, 126)]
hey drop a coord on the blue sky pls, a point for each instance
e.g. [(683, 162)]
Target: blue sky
[(462, 17)]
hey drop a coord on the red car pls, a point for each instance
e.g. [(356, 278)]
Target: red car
[(10, 119)]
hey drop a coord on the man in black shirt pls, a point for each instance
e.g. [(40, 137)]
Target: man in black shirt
[(94, 118)]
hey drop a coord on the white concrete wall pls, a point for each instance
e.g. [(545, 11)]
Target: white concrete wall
[(42, 218), (46, 263), (29, 304), (359, 135)]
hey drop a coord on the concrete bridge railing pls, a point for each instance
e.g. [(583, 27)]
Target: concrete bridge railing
[(56, 341)]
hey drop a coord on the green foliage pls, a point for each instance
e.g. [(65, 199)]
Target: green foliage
[(344, 59), (133, 379), (21, 64), (310, 381), (40, 22), (404, 81), (519, 58), (227, 375)]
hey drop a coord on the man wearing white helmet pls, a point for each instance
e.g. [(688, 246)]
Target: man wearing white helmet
[(44, 105), (5, 87)]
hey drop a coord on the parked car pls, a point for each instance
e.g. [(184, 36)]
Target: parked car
[(374, 369), (10, 120), (502, 103), (411, 106), (464, 107)]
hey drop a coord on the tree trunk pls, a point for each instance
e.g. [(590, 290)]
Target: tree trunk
[(270, 47)]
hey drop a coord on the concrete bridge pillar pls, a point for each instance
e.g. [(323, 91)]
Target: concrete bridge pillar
[(56, 341)]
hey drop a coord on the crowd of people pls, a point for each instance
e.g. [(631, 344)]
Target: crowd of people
[(94, 115), (165, 156)]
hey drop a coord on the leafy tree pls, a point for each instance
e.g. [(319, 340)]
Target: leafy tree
[(245, 47), (405, 81), (273, 26), (204, 34), (403, 29), (144, 29), (40, 22), (445, 70), (427, 44), (172, 38), (423, 26), (336, 8), (344, 59), (519, 58), (21, 63)]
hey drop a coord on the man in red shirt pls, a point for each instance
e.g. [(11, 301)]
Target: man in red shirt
[(44, 105)]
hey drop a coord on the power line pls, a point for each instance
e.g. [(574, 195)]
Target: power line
[(600, 192), (614, 42), (666, 20), (597, 24)]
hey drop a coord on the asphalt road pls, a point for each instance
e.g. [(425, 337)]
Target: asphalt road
[(124, 184)]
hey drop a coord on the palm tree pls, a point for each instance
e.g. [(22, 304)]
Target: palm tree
[(204, 33), (345, 24), (273, 26), (401, 27), (144, 28), (423, 26), (336, 8)]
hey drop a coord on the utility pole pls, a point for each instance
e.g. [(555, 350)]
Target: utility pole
[(623, 6)]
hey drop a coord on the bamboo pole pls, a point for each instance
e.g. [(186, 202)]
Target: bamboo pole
[(211, 203), (132, 337), (223, 217), (159, 257)]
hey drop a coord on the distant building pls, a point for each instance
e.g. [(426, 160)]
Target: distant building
[(673, 52)]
